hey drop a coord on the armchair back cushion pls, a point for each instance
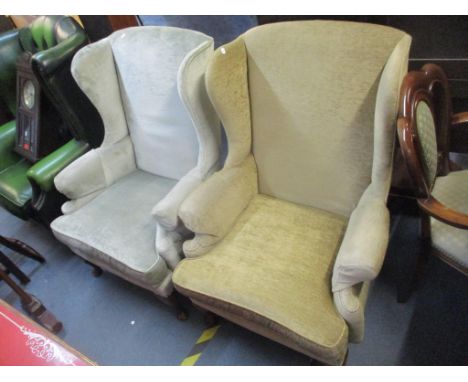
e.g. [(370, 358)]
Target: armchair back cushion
[(161, 129), (310, 124)]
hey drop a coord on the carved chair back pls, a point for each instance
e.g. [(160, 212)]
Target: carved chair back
[(423, 126)]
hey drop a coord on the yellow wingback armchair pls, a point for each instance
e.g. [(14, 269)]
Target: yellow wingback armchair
[(291, 231)]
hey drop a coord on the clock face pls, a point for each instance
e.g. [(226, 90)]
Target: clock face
[(29, 94)]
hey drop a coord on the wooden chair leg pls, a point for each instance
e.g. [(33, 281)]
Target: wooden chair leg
[(22, 248), (174, 301), (414, 271), (11, 267), (211, 319), (33, 306)]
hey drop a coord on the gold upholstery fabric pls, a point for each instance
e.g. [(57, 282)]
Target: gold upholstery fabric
[(309, 110), (313, 88), (226, 81), (276, 263)]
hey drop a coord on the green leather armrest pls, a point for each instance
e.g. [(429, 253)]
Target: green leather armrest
[(48, 61), (43, 172), (7, 143)]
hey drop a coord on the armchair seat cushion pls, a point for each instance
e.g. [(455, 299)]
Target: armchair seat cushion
[(451, 190), (273, 271), (15, 189), (116, 230)]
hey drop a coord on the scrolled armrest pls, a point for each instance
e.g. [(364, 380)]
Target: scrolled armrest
[(48, 61), (42, 173), (443, 213), (364, 245), (460, 118), (7, 144), (212, 209), (360, 259), (96, 170), (350, 303)]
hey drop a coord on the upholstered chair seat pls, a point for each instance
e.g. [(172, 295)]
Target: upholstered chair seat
[(248, 278), (450, 241), (291, 231), (161, 141)]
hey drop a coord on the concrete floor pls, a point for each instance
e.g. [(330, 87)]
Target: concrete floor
[(116, 323)]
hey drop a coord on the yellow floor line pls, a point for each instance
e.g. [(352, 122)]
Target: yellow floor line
[(208, 334), (200, 345), (191, 360)]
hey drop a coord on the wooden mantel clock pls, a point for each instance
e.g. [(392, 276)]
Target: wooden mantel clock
[(39, 128)]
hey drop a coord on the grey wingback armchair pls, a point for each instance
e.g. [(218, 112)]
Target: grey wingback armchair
[(161, 141)]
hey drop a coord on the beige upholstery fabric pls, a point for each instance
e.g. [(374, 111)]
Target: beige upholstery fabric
[(428, 142), (451, 190), (363, 250), (313, 115), (117, 240), (212, 209), (290, 288), (228, 70), (351, 302), (315, 103)]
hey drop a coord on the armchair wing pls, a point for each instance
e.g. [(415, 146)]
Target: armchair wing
[(362, 252)]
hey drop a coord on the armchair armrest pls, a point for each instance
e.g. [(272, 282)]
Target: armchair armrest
[(96, 170), (350, 303), (48, 61), (359, 260), (166, 211), (364, 245), (212, 209), (7, 143), (169, 233), (43, 172), (445, 214), (459, 134), (460, 118)]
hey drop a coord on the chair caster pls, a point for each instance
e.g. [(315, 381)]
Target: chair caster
[(182, 314), (210, 319)]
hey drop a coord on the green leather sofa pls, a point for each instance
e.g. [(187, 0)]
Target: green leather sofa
[(27, 189)]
